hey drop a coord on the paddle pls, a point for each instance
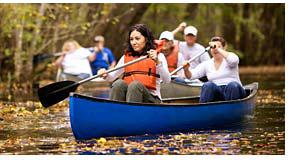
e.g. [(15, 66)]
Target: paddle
[(41, 57), (192, 59), (58, 91)]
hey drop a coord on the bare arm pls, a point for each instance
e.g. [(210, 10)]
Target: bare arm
[(59, 61), (92, 57), (181, 27), (186, 70), (113, 75), (112, 65)]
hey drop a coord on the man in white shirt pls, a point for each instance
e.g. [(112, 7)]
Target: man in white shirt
[(222, 73), (189, 48)]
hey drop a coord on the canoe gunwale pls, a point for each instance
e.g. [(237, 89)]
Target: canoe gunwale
[(253, 87)]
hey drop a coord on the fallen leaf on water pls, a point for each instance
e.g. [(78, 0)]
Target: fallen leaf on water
[(101, 141)]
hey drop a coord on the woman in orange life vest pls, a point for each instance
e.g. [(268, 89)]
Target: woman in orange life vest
[(141, 80), (170, 49)]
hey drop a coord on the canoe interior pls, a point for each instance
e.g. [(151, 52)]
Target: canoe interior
[(193, 99), (251, 91), (176, 89)]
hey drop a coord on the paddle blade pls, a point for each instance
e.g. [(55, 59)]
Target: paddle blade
[(56, 92), (41, 57)]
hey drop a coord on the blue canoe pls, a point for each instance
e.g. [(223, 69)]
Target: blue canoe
[(94, 117)]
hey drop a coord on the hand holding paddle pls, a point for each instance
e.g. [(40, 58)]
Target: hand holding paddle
[(58, 91), (191, 60)]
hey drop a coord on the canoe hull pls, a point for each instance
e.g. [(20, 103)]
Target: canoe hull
[(94, 118)]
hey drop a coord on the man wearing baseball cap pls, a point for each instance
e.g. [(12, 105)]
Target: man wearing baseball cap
[(189, 48), (171, 51), (103, 56)]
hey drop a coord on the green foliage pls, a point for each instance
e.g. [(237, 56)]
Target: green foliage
[(161, 17), (7, 52), (255, 32)]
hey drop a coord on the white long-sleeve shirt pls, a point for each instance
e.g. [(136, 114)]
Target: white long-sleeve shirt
[(227, 72), (161, 69)]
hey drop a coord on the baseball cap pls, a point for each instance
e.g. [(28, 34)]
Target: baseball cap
[(190, 30), (167, 35)]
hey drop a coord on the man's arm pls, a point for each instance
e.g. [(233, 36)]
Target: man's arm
[(111, 58), (186, 70), (92, 57), (181, 27)]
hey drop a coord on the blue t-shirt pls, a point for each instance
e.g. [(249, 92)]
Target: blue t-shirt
[(103, 60)]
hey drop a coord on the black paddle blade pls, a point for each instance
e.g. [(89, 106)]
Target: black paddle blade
[(56, 92), (41, 57)]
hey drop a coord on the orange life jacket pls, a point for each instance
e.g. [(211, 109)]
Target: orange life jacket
[(143, 71), (172, 58)]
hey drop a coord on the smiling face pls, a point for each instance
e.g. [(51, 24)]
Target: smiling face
[(137, 41)]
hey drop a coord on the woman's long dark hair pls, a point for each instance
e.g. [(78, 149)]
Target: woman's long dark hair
[(146, 32)]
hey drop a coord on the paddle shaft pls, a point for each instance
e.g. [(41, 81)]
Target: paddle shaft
[(113, 69), (191, 60)]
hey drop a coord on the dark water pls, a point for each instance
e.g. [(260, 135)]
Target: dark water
[(28, 128)]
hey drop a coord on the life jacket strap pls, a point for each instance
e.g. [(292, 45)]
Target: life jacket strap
[(149, 73)]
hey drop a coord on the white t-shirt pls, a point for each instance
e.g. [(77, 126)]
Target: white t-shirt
[(77, 62), (227, 72), (189, 52), (161, 69)]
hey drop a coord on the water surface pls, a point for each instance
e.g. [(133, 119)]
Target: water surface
[(28, 128)]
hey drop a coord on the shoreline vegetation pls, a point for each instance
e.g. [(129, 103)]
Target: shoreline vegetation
[(29, 32), (262, 69), (10, 91)]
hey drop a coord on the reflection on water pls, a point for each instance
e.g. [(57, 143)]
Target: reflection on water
[(28, 128)]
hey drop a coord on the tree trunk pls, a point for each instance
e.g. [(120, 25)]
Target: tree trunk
[(103, 23), (191, 11), (33, 46), (119, 28), (18, 63), (244, 37)]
